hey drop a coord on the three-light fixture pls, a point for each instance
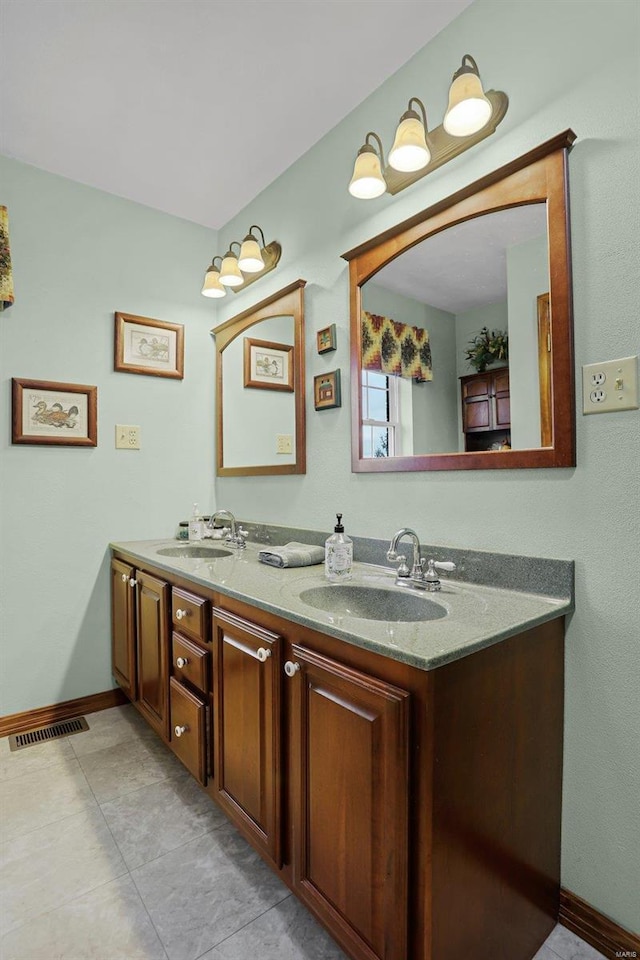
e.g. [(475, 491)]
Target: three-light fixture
[(238, 270), (471, 116)]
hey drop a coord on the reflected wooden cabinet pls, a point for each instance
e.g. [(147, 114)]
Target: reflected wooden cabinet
[(349, 781), (123, 627), (247, 741), (486, 408)]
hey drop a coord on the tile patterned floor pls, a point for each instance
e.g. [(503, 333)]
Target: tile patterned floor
[(110, 851)]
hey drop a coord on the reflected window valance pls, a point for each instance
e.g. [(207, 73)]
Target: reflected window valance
[(6, 275), (395, 349)]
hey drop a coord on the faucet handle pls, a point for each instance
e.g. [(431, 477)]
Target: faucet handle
[(431, 577), (447, 565), (403, 567)]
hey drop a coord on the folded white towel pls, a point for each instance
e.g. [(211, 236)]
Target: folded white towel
[(292, 555)]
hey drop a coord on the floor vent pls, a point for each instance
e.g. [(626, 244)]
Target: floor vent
[(53, 731)]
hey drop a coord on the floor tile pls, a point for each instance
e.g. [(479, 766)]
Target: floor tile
[(110, 727), (569, 946), (30, 759), (127, 766), (109, 923), (206, 890), (158, 818), (285, 932), (544, 953), (35, 799), (54, 864)]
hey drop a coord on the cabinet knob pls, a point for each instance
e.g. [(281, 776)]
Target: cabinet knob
[(132, 582), (181, 614), (182, 662), (291, 668), (179, 731), (125, 577), (263, 654)]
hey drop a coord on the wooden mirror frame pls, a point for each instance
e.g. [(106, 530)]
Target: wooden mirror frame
[(286, 302), (537, 176)]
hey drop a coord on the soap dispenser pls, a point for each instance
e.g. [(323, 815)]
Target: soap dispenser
[(338, 557), (196, 525)]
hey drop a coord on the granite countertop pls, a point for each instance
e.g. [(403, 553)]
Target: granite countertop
[(476, 615)]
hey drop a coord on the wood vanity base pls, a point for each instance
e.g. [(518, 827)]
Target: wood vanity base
[(416, 813)]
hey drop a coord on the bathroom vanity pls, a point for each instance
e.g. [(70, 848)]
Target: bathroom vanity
[(403, 777)]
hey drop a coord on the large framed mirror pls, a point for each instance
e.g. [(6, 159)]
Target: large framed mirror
[(260, 389), (462, 328)]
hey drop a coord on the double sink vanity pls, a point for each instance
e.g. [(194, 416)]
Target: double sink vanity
[(395, 755)]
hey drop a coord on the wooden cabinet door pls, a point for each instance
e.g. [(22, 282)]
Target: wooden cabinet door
[(247, 729), (153, 651), (502, 399), (188, 729), (123, 627), (349, 772), (476, 403)]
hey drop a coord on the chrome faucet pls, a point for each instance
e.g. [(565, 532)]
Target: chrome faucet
[(416, 576), (234, 534)]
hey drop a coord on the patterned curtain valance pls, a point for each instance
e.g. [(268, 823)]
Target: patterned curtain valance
[(6, 276), (395, 348)]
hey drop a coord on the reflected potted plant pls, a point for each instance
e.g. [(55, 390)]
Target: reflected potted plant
[(487, 348)]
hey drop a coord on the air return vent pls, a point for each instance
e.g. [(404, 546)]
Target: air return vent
[(54, 731)]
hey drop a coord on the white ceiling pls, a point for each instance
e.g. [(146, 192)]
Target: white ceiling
[(193, 106)]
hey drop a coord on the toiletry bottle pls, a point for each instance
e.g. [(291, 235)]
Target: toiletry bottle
[(338, 558), (196, 526)]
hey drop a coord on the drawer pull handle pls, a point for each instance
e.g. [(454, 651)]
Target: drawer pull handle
[(179, 731), (181, 662), (132, 582), (181, 614), (125, 577), (291, 668), (263, 654)]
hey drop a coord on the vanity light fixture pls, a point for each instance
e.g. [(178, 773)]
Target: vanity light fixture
[(239, 269), (212, 286), (410, 151), (367, 180), (471, 116)]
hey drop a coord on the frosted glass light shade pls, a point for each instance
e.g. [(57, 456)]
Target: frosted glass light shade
[(250, 259), (468, 110), (409, 151), (230, 275), (367, 181), (212, 286)]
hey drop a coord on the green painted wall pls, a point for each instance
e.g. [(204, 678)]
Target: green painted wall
[(79, 255), (566, 64)]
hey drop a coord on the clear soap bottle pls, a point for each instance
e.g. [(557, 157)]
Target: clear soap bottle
[(196, 525), (338, 557)]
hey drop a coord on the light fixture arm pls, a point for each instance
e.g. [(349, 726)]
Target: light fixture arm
[(422, 110), (373, 134), (250, 234), (467, 67)]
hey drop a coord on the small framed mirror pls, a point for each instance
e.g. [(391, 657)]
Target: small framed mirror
[(260, 392), (462, 329)]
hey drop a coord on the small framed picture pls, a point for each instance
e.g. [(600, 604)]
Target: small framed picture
[(268, 365), (60, 414), (326, 339), (147, 346), (326, 390)]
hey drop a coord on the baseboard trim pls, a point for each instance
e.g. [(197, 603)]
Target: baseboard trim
[(602, 933), (19, 722)]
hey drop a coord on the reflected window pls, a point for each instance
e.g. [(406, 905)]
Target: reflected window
[(380, 415)]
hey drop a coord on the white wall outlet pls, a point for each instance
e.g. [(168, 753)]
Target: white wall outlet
[(610, 385), (127, 437), (284, 443)]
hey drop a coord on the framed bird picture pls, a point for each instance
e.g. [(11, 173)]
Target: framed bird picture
[(147, 346), (60, 414)]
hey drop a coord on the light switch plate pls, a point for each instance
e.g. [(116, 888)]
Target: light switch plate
[(284, 443), (610, 385), (127, 437)]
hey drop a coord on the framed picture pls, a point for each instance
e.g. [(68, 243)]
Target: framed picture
[(61, 414), (326, 390), (152, 347), (267, 365), (326, 339)]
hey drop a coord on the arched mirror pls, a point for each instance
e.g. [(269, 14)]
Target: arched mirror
[(461, 328), (260, 388)]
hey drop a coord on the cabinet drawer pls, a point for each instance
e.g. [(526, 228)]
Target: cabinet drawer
[(188, 729), (190, 662), (190, 613)]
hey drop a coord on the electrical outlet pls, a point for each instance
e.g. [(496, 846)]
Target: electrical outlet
[(127, 437), (284, 443), (610, 385)]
